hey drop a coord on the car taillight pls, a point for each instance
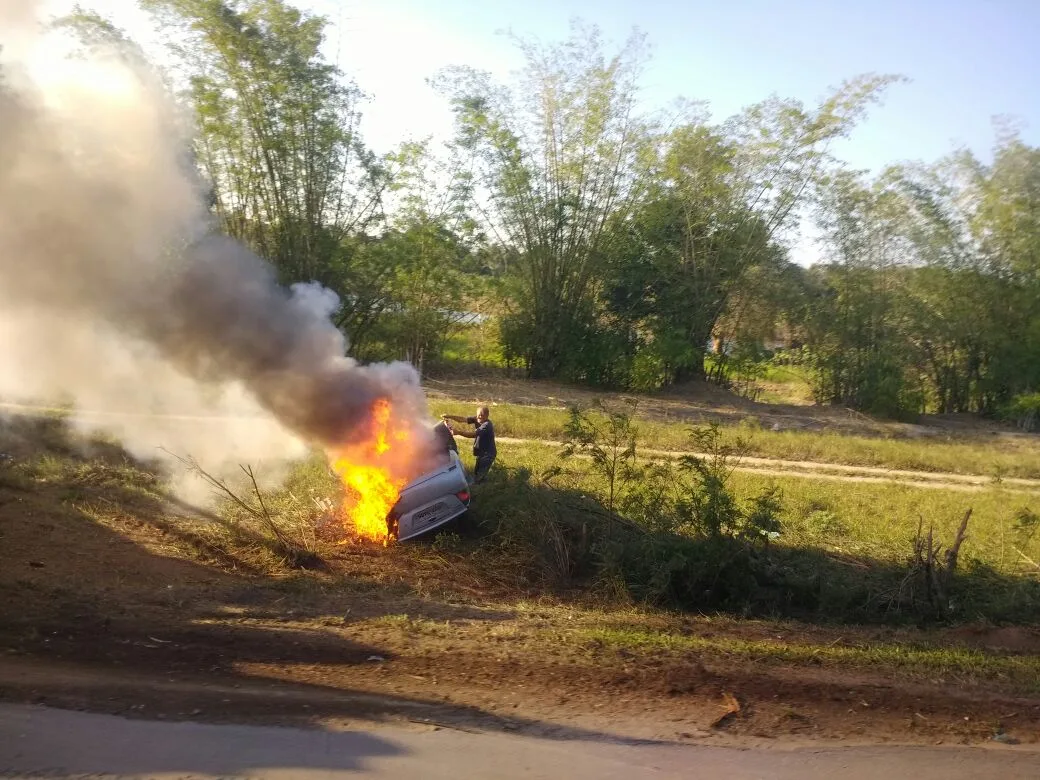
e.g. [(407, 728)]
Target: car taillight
[(463, 496)]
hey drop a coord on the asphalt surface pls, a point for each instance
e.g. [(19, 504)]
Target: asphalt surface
[(40, 742)]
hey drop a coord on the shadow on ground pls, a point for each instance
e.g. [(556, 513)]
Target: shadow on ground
[(566, 539), (99, 595), (112, 616)]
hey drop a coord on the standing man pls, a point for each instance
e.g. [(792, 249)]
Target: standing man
[(483, 437)]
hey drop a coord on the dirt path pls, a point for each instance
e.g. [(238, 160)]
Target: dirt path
[(839, 472), (817, 470)]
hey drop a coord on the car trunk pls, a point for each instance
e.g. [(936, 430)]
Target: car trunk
[(431, 500)]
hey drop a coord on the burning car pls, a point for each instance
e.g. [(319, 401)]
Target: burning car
[(431, 501), (382, 504)]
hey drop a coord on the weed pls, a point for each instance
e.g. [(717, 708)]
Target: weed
[(710, 506), (610, 444), (1024, 411), (840, 553), (281, 521), (1027, 521), (447, 542), (676, 534), (392, 621), (14, 478), (956, 662), (929, 579)]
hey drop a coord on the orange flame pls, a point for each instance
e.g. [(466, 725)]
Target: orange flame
[(368, 474)]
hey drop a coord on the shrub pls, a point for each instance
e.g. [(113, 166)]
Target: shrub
[(608, 440), (1024, 411), (656, 532)]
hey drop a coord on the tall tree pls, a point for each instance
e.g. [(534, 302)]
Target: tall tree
[(935, 284), (723, 199), (278, 129), (858, 352), (1007, 228), (555, 157), (974, 231), (423, 251)]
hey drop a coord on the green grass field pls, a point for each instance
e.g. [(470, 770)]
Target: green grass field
[(843, 551), (868, 520), (991, 457)]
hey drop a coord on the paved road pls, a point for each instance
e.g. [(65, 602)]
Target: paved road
[(40, 742)]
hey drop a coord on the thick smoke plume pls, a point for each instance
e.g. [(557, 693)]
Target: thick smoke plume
[(116, 291)]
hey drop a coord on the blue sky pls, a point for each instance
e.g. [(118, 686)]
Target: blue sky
[(968, 61)]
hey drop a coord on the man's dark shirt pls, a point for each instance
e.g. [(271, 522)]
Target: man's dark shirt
[(484, 443)]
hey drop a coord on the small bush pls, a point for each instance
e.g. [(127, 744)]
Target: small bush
[(608, 440), (287, 522), (1024, 411), (655, 532), (708, 506), (689, 535), (536, 533)]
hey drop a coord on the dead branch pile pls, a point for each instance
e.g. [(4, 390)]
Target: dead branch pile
[(927, 584)]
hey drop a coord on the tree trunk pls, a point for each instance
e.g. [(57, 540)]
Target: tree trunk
[(693, 371)]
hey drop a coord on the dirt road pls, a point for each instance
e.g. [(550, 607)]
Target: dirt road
[(816, 470), (37, 741), (840, 472)]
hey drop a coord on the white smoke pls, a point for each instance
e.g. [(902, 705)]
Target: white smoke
[(116, 293)]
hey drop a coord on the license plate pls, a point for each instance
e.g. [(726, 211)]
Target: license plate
[(430, 513)]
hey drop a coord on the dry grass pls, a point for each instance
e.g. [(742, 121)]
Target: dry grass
[(586, 633)]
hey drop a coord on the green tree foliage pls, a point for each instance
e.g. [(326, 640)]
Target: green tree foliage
[(610, 250), (556, 156), (721, 199), (932, 298), (423, 254), (277, 131), (851, 314), (278, 140)]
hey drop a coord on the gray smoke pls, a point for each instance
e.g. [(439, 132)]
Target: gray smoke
[(116, 290)]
